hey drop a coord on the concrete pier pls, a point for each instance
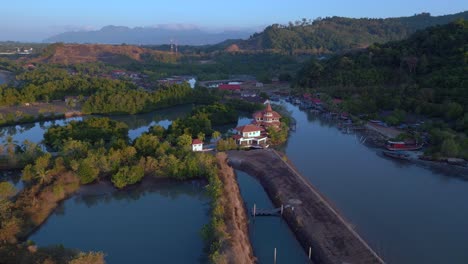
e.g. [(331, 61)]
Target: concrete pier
[(316, 223)]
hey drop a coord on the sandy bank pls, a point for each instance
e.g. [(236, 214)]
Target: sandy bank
[(314, 221), (238, 248)]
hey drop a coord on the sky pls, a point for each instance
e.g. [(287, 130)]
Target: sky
[(33, 20)]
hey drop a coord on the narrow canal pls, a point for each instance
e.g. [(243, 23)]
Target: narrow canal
[(409, 214), (268, 233)]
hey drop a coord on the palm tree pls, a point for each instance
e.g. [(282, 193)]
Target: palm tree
[(42, 176), (10, 145)]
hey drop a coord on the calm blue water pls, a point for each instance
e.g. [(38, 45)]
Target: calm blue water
[(13, 177), (407, 213), (150, 223), (137, 124), (267, 233), (2, 79)]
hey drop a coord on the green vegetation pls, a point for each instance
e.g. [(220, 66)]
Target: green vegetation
[(99, 149), (47, 83), (127, 101), (14, 155), (90, 131), (226, 144), (424, 75), (214, 232), (335, 34)]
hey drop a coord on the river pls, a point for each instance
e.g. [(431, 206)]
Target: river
[(409, 214)]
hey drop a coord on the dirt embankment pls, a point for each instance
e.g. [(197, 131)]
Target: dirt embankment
[(238, 248), (85, 53), (314, 221), (36, 109)]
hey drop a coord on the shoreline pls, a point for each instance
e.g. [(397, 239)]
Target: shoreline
[(377, 139), (314, 221)]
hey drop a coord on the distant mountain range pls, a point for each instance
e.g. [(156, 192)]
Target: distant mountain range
[(182, 35)]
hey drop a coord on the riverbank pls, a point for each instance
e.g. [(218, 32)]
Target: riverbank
[(237, 248), (314, 221), (376, 137), (36, 112)]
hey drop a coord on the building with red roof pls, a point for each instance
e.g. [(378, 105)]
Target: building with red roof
[(197, 145), (267, 118), (229, 87), (249, 135)]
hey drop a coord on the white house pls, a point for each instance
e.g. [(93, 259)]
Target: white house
[(249, 135), (197, 145)]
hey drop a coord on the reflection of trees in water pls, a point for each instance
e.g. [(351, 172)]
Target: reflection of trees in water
[(141, 120), (13, 176), (171, 190), (22, 128)]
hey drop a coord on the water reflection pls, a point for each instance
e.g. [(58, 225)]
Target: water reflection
[(137, 124), (407, 212), (14, 177), (149, 119)]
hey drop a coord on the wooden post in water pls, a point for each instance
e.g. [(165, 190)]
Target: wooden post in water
[(282, 208), (310, 253), (254, 210), (274, 256)]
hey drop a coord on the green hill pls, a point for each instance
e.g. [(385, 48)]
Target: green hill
[(425, 75), (335, 34)]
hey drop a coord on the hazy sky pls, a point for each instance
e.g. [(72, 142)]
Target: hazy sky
[(33, 20)]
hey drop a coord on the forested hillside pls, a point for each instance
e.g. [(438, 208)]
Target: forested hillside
[(337, 34), (425, 74)]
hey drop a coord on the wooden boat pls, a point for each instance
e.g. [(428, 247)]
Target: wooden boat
[(397, 155), (400, 145)]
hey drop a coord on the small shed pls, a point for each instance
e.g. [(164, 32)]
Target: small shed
[(197, 145)]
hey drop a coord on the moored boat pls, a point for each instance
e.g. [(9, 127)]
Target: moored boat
[(401, 145)]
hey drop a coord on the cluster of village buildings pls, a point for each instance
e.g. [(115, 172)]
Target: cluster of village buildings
[(254, 134)]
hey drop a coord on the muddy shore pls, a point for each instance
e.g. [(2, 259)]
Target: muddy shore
[(238, 248), (313, 220)]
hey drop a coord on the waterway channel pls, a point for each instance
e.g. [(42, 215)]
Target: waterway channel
[(409, 214)]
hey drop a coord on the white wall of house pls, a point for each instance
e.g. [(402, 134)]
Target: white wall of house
[(251, 134), (197, 147)]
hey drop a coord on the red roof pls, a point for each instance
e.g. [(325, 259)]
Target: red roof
[(229, 87), (249, 128), (337, 101), (236, 137), (196, 142), (316, 101), (268, 109)]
